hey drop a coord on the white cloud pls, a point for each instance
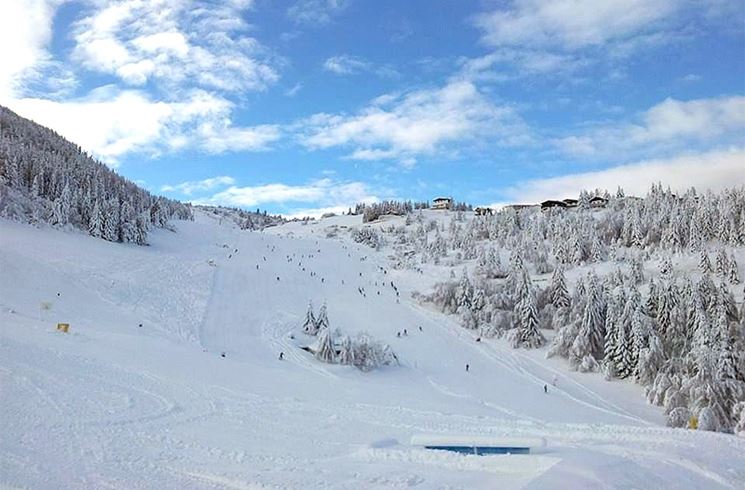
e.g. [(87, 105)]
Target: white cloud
[(668, 125), (219, 136), (318, 196), (350, 65), (496, 66), (345, 65), (190, 187), (323, 191), (559, 37), (192, 50), (419, 122), (300, 213), (25, 31), (110, 122), (691, 77), (571, 24), (315, 12), (711, 170), (173, 42), (294, 90)]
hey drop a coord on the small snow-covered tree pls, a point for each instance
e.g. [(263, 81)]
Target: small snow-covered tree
[(707, 420), (322, 319), (732, 274), (722, 263), (637, 271), (704, 264), (111, 222), (464, 292), (738, 414), (527, 329), (310, 326), (591, 336), (369, 354), (62, 206), (678, 417), (651, 359), (95, 225), (558, 292), (325, 350), (346, 351), (589, 365)]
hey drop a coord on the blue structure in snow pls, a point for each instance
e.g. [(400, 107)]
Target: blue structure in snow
[(481, 449), (478, 445)]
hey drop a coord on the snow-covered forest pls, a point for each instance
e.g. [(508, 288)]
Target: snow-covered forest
[(245, 220), (46, 179), (652, 295)]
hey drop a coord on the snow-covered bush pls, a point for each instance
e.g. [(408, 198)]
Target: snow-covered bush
[(369, 354), (678, 417), (738, 414), (707, 420), (589, 365), (367, 236)]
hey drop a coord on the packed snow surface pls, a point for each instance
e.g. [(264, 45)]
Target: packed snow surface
[(170, 376)]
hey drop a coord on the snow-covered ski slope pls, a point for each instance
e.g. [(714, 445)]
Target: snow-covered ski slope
[(115, 405)]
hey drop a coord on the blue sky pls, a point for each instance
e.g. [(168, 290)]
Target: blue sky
[(306, 106)]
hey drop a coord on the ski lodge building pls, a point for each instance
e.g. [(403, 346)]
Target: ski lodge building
[(442, 203)]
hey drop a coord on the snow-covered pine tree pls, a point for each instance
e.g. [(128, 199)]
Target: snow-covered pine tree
[(637, 271), (613, 333), (666, 268), (652, 298), (733, 274), (493, 264), (310, 325), (591, 336), (738, 414), (464, 294), (597, 254), (669, 320), (726, 300), (729, 383), (721, 264), (95, 226), (558, 292), (111, 222), (651, 359), (325, 350), (704, 264), (322, 319), (526, 328), (62, 206), (624, 354), (579, 254)]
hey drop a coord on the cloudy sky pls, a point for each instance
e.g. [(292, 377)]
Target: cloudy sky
[(307, 106)]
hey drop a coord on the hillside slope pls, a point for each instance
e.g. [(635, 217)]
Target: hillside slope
[(116, 404), (46, 179)]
